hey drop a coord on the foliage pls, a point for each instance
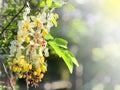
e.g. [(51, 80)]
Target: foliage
[(28, 37)]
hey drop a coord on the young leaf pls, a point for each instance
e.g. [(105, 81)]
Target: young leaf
[(49, 3), (49, 37), (61, 42), (56, 48), (42, 3), (56, 5), (63, 54), (67, 60), (71, 56)]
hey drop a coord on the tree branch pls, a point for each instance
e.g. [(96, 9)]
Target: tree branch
[(5, 28), (6, 72)]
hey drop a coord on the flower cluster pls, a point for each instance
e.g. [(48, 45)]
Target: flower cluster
[(29, 50)]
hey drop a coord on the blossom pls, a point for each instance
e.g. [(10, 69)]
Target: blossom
[(27, 39), (56, 16), (44, 32), (39, 20), (46, 52), (15, 47), (27, 11), (29, 49), (26, 25)]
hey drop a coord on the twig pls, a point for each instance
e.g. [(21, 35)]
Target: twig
[(4, 29), (27, 86), (2, 56), (6, 72)]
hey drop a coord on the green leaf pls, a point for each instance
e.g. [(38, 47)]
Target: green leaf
[(13, 26), (63, 54), (11, 9), (56, 48), (67, 60), (60, 42), (42, 3), (71, 56), (49, 3), (56, 5), (49, 37), (54, 21)]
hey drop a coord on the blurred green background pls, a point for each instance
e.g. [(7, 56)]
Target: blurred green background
[(92, 28)]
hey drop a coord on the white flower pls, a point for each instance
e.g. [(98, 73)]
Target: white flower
[(21, 36), (41, 51), (49, 21), (31, 48), (27, 11), (25, 26), (49, 25), (46, 52), (15, 47), (39, 20)]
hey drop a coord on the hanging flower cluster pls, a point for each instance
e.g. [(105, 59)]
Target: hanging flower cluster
[(29, 50)]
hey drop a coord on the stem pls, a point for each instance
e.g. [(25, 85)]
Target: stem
[(6, 72), (27, 86)]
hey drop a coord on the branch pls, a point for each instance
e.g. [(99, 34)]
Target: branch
[(2, 56), (6, 72), (4, 29)]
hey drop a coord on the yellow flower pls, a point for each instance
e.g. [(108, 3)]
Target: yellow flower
[(22, 61), (15, 68), (19, 69), (14, 60), (38, 70), (39, 20), (35, 73), (42, 59), (44, 32), (30, 66), (56, 16), (27, 39), (26, 26), (20, 76), (38, 23), (41, 75), (43, 68), (26, 67)]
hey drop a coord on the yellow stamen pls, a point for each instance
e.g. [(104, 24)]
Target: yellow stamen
[(38, 23), (44, 32), (27, 39), (20, 38), (26, 26)]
